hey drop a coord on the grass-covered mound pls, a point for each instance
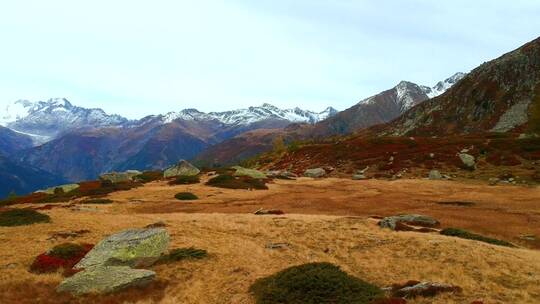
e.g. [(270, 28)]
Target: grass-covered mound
[(180, 254), (314, 283), (21, 217), (237, 182), (97, 201), (186, 196), (185, 180), (464, 234), (63, 256)]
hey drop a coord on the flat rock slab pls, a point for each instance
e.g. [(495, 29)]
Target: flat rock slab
[(105, 279), (393, 222), (133, 247)]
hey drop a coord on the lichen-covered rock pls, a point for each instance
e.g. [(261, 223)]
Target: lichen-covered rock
[(241, 171), (435, 175), (315, 173), (183, 168), (120, 177), (467, 160), (105, 279), (393, 222), (359, 177), (65, 188), (133, 247)]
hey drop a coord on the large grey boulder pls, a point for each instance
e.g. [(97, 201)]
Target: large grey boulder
[(241, 171), (467, 160), (183, 168), (393, 222), (133, 247), (315, 173), (120, 177), (106, 279)]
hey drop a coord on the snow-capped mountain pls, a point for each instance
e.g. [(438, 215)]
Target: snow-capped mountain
[(251, 115), (44, 120), (443, 86)]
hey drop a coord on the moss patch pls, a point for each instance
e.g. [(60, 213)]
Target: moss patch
[(21, 217), (314, 283), (460, 233), (237, 182), (186, 196)]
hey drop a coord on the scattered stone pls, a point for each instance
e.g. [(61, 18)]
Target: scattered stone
[(10, 266), (241, 171), (468, 160), (494, 181), (277, 246), (133, 247), (431, 155), (407, 220), (106, 279), (159, 224), (281, 174), (528, 237), (120, 177), (63, 188), (414, 289), (435, 175), (363, 171), (359, 177), (315, 173), (183, 168), (268, 212)]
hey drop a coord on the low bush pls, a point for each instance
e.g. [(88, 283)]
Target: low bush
[(314, 283), (185, 196), (179, 254), (237, 182), (98, 201), (185, 180), (21, 217), (150, 176), (63, 256), (460, 233)]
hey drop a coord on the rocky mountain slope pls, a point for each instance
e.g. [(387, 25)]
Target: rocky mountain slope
[(11, 141), (502, 95)]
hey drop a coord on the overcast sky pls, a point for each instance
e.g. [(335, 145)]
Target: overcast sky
[(146, 57)]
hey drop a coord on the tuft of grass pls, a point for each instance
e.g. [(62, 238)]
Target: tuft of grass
[(180, 254), (67, 250), (21, 217), (186, 196), (237, 182), (464, 234), (185, 180), (314, 283), (100, 201)]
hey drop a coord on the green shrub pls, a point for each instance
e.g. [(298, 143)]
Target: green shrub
[(21, 217), (66, 250), (150, 176), (100, 201), (460, 233), (179, 254), (186, 196), (237, 182), (314, 283), (185, 180)]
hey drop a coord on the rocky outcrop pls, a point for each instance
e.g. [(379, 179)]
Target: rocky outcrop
[(62, 188), (315, 173), (241, 171), (467, 160), (133, 247), (120, 177), (106, 279), (183, 168), (399, 222), (414, 289)]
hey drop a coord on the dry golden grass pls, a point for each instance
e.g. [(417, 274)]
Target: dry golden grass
[(238, 254)]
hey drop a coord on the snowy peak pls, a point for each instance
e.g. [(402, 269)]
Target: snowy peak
[(251, 115), (443, 86)]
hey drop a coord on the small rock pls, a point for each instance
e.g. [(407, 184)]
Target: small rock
[(467, 160), (493, 181), (277, 246), (528, 237), (315, 173), (359, 177), (435, 175), (363, 171), (120, 177), (413, 289), (268, 212), (431, 155), (106, 279), (396, 222), (159, 224)]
